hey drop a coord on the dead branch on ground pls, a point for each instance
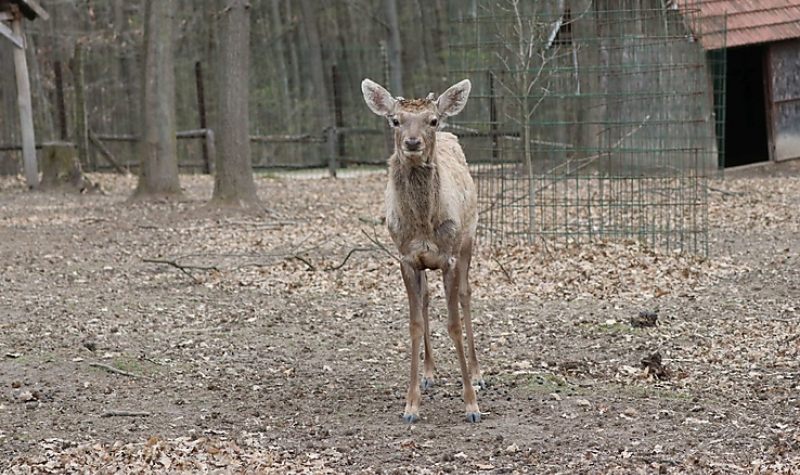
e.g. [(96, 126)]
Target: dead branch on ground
[(125, 414), (352, 251), (114, 370), (182, 268)]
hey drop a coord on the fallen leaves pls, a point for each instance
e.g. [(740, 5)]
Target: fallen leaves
[(554, 324), (159, 455)]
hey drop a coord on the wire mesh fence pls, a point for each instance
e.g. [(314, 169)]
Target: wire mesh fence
[(590, 121)]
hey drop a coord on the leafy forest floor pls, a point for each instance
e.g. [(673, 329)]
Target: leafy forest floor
[(274, 352)]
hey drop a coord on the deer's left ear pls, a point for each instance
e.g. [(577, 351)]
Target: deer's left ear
[(453, 100)]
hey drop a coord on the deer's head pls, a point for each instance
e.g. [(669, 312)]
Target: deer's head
[(415, 121)]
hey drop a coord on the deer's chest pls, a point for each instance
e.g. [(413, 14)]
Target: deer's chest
[(419, 227)]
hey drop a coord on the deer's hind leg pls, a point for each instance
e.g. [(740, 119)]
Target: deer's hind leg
[(465, 297), (451, 284)]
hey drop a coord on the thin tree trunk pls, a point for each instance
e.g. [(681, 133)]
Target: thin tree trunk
[(280, 56), (395, 49), (158, 171), (424, 33), (43, 113), (315, 62), (126, 120), (296, 82), (81, 129), (233, 183)]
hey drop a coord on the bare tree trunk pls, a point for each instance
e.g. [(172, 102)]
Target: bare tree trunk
[(395, 49), (128, 113), (233, 183), (43, 111), (81, 129), (586, 52), (280, 53), (158, 172), (318, 75)]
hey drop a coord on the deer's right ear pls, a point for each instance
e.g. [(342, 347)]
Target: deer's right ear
[(377, 98)]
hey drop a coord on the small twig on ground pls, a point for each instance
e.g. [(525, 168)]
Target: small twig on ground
[(726, 192), (374, 240), (182, 268), (304, 261), (114, 370), (352, 251), (502, 268), (125, 414), (791, 338), (372, 221)]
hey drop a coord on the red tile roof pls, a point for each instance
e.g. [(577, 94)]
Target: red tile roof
[(748, 21)]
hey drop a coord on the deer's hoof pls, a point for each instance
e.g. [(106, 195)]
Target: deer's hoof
[(479, 383), (473, 417), (427, 383), (410, 418)]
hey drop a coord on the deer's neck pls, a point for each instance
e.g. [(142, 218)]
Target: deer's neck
[(417, 187)]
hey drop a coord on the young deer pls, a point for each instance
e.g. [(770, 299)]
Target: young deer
[(432, 215)]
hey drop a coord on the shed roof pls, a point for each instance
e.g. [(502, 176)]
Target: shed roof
[(748, 21)]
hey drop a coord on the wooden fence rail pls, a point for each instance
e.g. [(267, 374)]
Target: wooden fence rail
[(332, 138)]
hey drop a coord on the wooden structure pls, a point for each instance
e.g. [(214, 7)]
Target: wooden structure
[(12, 13), (761, 43)]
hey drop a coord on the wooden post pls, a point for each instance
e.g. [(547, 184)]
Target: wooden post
[(493, 117), (211, 147), (201, 108), (25, 108), (62, 109), (338, 116), (331, 135), (388, 137), (81, 128)]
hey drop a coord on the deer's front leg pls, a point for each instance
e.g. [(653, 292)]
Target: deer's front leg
[(413, 282), (451, 282), (428, 366)]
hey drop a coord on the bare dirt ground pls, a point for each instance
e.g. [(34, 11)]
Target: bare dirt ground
[(275, 353)]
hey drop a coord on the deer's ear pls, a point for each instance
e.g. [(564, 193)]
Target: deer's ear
[(454, 99), (377, 98)]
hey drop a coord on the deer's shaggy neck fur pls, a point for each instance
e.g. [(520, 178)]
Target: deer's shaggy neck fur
[(416, 181)]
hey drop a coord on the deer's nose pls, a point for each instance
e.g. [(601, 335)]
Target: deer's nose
[(413, 144)]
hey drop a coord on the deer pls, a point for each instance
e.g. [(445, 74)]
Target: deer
[(431, 208)]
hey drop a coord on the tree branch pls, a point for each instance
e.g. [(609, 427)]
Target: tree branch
[(182, 268)]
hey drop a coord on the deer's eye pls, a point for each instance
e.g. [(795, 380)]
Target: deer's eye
[(434, 122), (395, 122)]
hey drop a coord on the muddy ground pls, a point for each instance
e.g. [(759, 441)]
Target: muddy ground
[(274, 352)]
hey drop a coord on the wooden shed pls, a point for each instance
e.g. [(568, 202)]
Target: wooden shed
[(12, 15), (761, 40)]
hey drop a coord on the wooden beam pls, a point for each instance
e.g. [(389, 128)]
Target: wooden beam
[(9, 34), (106, 153), (25, 111), (32, 10)]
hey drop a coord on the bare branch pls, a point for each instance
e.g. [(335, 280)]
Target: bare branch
[(125, 414), (182, 268), (114, 370), (352, 251), (376, 241)]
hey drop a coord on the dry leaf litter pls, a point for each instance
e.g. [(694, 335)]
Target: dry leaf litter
[(296, 320)]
